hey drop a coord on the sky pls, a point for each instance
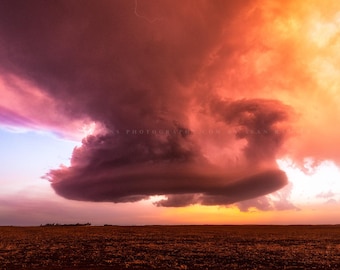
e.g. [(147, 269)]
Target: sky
[(136, 112)]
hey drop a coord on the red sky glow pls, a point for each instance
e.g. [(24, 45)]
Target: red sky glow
[(170, 112)]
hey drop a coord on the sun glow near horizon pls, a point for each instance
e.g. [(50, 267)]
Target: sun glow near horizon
[(313, 183), (238, 67)]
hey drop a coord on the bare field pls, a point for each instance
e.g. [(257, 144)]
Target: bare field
[(170, 247)]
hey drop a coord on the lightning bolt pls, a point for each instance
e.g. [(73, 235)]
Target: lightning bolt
[(144, 17)]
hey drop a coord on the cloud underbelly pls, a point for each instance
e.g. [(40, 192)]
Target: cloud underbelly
[(183, 185)]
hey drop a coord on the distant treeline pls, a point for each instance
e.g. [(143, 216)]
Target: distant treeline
[(57, 224)]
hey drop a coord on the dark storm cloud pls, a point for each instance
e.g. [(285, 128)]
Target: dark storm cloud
[(227, 193), (278, 201), (88, 52), (259, 122), (132, 67), (185, 185)]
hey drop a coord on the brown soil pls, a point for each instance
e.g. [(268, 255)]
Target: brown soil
[(170, 247)]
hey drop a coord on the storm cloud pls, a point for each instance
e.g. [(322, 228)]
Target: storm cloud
[(143, 71)]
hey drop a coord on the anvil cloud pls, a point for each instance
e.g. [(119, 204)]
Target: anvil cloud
[(189, 67)]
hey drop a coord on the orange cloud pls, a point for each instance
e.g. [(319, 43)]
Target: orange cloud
[(261, 75)]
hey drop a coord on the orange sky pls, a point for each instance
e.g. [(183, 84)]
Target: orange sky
[(255, 82)]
